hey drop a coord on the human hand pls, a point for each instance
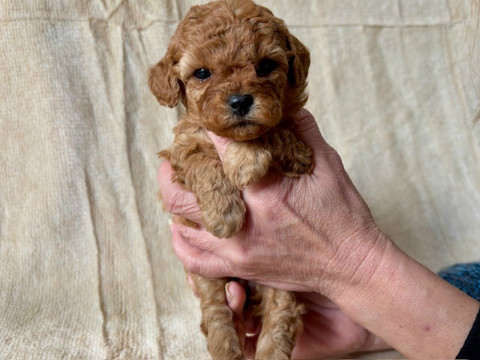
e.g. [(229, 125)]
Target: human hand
[(316, 234), (303, 234)]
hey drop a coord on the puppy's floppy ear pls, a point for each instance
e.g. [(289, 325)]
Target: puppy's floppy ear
[(163, 79), (298, 62)]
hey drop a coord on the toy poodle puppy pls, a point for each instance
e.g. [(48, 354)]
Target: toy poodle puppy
[(240, 74)]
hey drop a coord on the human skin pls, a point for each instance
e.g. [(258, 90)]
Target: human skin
[(315, 235)]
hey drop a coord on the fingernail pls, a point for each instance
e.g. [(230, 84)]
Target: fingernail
[(229, 294)]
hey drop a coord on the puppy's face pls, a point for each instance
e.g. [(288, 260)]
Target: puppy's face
[(235, 67)]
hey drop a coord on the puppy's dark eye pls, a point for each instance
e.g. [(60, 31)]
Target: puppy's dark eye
[(202, 74), (266, 66)]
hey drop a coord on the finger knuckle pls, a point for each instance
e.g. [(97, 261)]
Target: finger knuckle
[(171, 202), (176, 247), (192, 265), (333, 155), (240, 259), (334, 159)]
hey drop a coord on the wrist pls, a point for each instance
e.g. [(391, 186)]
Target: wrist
[(354, 263), (411, 308)]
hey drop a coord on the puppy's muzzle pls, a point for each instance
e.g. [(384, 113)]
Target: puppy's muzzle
[(240, 104)]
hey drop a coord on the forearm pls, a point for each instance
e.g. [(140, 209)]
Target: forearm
[(411, 308)]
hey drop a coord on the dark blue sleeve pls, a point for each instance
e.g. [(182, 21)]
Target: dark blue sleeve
[(466, 277), (471, 347)]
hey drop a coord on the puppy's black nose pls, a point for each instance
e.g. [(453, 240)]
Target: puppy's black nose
[(240, 104)]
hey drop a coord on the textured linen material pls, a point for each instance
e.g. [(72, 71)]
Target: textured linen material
[(86, 266)]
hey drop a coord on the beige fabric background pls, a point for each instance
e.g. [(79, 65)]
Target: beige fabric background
[(86, 267)]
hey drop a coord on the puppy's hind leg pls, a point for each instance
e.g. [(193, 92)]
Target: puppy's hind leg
[(281, 324), (217, 320)]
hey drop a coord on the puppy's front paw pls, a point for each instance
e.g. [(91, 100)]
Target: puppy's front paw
[(225, 217), (245, 163), (302, 163)]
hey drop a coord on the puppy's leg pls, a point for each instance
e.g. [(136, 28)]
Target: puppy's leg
[(291, 157), (217, 320), (198, 167), (246, 162), (281, 324)]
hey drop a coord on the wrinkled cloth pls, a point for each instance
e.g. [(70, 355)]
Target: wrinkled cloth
[(86, 265)]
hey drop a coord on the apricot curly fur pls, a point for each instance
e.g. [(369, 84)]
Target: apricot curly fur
[(231, 39)]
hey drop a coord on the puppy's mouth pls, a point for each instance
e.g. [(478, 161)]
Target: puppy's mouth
[(245, 123), (251, 125), (244, 130), (240, 129)]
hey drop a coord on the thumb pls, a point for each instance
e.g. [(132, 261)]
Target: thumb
[(306, 129), (236, 296), (219, 142)]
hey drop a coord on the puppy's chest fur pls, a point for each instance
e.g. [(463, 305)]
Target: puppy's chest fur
[(244, 162)]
